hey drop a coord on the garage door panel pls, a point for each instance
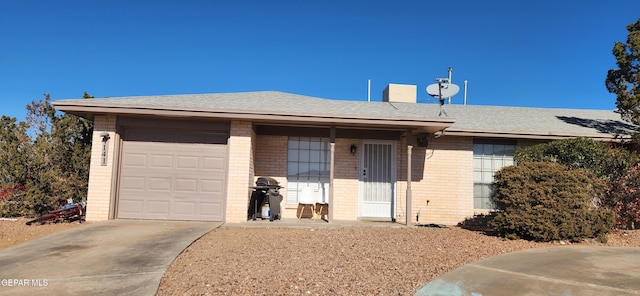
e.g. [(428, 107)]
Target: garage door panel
[(185, 208), (161, 161), (135, 160), (165, 180), (207, 209), (132, 183), (158, 207), (159, 184), (186, 185), (211, 186), (213, 163), (131, 206), (188, 162)]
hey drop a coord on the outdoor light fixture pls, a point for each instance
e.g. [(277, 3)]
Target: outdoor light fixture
[(423, 140), (353, 149), (105, 137)]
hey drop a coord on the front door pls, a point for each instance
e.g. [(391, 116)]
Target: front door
[(377, 180)]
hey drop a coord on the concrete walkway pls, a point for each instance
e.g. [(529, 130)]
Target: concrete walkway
[(564, 270), (116, 257)]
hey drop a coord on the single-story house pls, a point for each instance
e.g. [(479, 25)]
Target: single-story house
[(196, 157)]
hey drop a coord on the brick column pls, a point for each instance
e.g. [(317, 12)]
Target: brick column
[(101, 175), (239, 170)]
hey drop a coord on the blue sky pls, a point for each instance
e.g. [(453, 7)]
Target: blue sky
[(515, 53)]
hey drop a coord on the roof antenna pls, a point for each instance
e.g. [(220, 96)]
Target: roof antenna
[(465, 92), (449, 81), (443, 89)]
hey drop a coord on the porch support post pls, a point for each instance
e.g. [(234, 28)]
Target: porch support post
[(409, 177), (331, 169)]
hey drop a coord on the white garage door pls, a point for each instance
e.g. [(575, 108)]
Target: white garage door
[(176, 175)]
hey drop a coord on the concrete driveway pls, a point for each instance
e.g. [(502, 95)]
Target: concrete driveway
[(116, 257), (563, 271)]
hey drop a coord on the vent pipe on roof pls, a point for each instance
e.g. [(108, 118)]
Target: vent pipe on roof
[(369, 91), (465, 92), (449, 82)]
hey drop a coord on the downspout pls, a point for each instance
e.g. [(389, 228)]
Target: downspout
[(409, 177), (331, 169)]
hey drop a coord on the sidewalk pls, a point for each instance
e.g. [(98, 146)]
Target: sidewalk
[(565, 270)]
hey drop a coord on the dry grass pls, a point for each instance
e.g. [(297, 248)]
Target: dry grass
[(15, 232)]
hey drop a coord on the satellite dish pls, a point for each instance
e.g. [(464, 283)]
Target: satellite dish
[(442, 90)]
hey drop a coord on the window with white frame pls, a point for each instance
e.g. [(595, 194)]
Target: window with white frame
[(488, 158), (307, 166)]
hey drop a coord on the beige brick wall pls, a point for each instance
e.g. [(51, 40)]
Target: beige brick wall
[(100, 177), (443, 175), (345, 183), (271, 161), (252, 157), (240, 170), (271, 157)]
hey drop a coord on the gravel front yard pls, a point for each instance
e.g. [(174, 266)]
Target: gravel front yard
[(351, 260)]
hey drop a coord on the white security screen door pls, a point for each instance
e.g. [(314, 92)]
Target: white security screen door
[(377, 180)]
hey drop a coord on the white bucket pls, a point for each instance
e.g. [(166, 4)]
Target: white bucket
[(266, 212)]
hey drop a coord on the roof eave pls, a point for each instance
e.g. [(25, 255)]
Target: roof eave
[(429, 125), (533, 135)]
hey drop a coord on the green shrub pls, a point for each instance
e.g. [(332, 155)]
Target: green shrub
[(545, 201), (14, 205), (30, 200), (575, 153), (608, 163), (624, 198), (617, 161), (49, 155)]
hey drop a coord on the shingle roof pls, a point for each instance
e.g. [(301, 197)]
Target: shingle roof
[(541, 121), (469, 119), (271, 102)]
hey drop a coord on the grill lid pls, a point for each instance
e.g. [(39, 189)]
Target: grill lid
[(267, 181)]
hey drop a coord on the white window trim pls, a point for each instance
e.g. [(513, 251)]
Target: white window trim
[(313, 154)]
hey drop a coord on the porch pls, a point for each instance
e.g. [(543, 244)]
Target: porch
[(355, 171)]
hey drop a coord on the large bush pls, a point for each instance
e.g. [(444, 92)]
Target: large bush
[(624, 198), (47, 158), (544, 201), (598, 157), (609, 163), (617, 161)]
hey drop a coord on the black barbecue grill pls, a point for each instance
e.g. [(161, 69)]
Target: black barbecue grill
[(266, 192)]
